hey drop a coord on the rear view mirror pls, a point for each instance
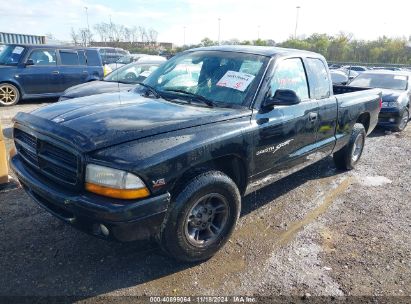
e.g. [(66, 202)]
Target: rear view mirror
[(29, 62), (282, 98)]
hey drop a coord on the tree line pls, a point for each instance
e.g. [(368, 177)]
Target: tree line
[(339, 48), (344, 48), (112, 32)]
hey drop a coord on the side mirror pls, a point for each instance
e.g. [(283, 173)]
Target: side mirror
[(29, 62), (282, 98)]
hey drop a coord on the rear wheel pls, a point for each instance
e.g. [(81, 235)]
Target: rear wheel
[(404, 121), (348, 157), (9, 94), (201, 218)]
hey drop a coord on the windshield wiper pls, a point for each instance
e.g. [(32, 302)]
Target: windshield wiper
[(194, 96), (151, 89)]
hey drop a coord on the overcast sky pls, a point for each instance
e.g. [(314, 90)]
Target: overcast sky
[(239, 19)]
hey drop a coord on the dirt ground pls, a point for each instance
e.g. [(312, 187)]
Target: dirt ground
[(318, 232)]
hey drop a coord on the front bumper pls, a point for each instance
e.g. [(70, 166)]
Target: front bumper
[(125, 220), (389, 117)]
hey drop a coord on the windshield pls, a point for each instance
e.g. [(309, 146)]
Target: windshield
[(133, 73), (221, 77), (381, 81), (11, 55)]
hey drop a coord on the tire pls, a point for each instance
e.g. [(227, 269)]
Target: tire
[(404, 121), (348, 157), (9, 94), (131, 76), (186, 232)]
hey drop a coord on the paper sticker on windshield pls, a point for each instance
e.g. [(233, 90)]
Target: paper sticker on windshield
[(145, 73), (18, 50), (400, 78), (236, 80)]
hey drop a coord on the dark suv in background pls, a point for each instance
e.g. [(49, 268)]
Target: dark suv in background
[(34, 71)]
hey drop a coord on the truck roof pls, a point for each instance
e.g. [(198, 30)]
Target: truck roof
[(257, 50)]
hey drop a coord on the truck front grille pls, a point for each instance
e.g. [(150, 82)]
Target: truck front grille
[(54, 162)]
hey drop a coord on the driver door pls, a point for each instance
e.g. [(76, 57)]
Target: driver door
[(43, 75), (286, 134)]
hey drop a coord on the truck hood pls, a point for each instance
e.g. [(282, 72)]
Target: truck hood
[(105, 120), (96, 87)]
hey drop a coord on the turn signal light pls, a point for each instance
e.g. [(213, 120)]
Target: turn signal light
[(118, 193)]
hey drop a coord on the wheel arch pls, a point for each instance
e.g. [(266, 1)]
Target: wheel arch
[(364, 119), (16, 84), (231, 165)]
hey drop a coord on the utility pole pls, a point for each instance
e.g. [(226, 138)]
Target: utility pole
[(88, 26), (111, 30), (296, 21), (184, 41), (258, 32), (219, 30)]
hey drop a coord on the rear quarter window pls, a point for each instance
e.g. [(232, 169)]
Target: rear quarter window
[(318, 78)]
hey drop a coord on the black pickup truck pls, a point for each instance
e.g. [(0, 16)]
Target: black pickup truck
[(172, 159)]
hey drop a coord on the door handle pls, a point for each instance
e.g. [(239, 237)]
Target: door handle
[(312, 116), (55, 72)]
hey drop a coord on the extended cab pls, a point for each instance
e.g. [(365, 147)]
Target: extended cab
[(172, 159)]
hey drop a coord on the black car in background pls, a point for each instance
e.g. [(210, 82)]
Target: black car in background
[(35, 71), (396, 85), (122, 79)]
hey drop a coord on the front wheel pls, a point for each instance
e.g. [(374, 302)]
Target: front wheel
[(403, 122), (9, 94), (348, 157), (201, 218)]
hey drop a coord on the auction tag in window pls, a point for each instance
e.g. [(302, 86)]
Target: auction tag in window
[(18, 50), (236, 80)]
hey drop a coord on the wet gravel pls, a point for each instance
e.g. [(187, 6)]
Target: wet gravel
[(316, 232)]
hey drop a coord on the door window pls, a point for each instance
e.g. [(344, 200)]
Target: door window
[(43, 57), (318, 79), (69, 58), (290, 75)]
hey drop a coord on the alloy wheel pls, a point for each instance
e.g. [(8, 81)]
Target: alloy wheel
[(206, 220), (357, 148), (8, 94)]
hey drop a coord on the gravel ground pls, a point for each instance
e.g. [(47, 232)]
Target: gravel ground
[(318, 232)]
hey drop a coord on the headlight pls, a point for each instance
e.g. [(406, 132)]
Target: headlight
[(114, 183), (391, 104)]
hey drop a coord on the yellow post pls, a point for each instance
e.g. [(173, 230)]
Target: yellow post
[(4, 171)]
